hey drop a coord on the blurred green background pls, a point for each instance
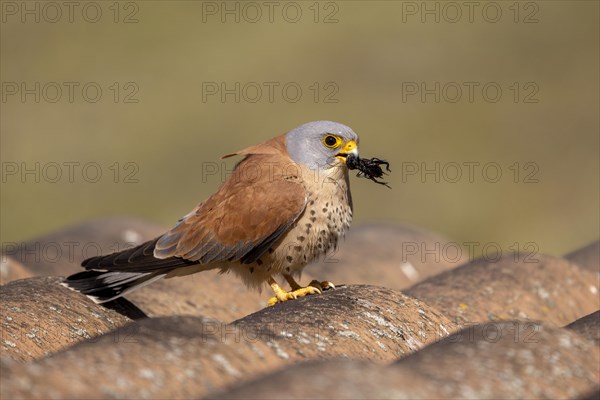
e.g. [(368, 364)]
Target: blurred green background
[(364, 55)]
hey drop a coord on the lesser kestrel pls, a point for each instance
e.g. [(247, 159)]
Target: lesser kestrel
[(286, 203)]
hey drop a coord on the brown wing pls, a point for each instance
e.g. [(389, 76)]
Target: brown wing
[(253, 209), (248, 213)]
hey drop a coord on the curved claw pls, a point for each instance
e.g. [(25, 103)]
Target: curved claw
[(324, 285), (310, 289)]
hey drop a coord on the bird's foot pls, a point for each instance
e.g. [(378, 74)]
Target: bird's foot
[(294, 294), (324, 285), (314, 287)]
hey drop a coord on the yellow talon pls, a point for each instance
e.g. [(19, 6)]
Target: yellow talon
[(298, 291), (306, 290)]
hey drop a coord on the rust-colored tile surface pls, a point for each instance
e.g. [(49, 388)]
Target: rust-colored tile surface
[(512, 359), (549, 289), (505, 329), (39, 317)]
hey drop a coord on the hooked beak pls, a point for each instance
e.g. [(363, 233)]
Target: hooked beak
[(349, 148)]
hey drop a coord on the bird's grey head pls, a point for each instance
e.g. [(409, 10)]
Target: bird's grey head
[(321, 145)]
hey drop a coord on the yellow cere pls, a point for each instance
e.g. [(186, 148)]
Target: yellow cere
[(351, 145)]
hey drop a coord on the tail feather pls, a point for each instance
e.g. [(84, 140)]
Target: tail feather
[(111, 276), (103, 286)]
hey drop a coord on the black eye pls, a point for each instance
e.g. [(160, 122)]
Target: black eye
[(330, 140)]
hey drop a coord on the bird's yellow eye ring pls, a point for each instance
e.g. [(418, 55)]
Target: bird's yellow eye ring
[(331, 141)]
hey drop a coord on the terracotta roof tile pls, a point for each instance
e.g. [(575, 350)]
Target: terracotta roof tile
[(358, 341), (39, 317), (549, 289), (508, 359)]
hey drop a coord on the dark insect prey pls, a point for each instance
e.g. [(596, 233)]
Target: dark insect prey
[(368, 167)]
